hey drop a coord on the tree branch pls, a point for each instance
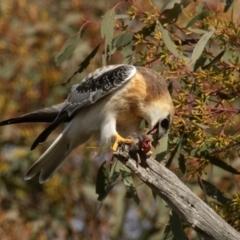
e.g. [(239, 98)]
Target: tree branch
[(180, 198)]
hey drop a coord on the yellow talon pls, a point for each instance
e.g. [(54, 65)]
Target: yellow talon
[(149, 153), (118, 140)]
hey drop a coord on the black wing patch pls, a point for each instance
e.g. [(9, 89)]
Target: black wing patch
[(105, 79)]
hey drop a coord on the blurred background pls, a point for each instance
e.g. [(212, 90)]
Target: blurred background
[(31, 36)]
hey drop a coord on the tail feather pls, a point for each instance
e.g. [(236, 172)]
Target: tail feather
[(44, 115), (51, 160), (47, 131)]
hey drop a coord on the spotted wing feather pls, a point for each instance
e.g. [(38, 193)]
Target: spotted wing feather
[(97, 85)]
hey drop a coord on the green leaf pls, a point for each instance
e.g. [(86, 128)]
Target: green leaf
[(127, 53), (168, 41), (174, 152), (225, 96), (199, 16), (84, 64), (68, 48), (143, 124), (200, 63), (169, 5), (107, 31), (122, 39), (214, 61), (219, 163), (129, 183), (168, 234), (171, 9), (121, 16), (114, 174), (200, 125), (102, 181), (161, 148), (147, 30), (199, 47), (228, 5), (213, 192), (176, 227), (181, 162)]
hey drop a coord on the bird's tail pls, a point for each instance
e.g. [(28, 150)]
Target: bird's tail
[(51, 160), (48, 114)]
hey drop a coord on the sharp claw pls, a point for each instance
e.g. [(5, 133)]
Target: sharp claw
[(118, 140), (149, 153)]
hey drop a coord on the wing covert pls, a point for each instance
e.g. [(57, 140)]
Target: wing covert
[(98, 84)]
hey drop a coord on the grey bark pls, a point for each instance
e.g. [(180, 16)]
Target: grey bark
[(180, 198)]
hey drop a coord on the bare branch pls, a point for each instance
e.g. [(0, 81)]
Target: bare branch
[(180, 198)]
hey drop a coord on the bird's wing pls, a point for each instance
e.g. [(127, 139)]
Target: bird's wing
[(97, 85), (92, 88)]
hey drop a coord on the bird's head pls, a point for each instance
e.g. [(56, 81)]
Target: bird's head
[(160, 120), (161, 127)]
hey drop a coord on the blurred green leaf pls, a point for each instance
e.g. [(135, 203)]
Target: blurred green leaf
[(181, 162), (168, 234), (228, 5), (129, 183), (122, 39), (198, 49), (200, 63), (84, 64), (200, 125), (169, 5), (214, 61), (219, 163), (114, 174), (121, 16), (213, 191), (199, 16), (127, 53), (176, 227), (161, 148), (107, 32), (225, 96), (68, 48), (174, 152), (168, 41), (102, 181), (171, 9)]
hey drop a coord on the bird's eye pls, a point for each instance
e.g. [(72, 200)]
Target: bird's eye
[(165, 123)]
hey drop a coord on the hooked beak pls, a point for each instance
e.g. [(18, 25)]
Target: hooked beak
[(157, 134)]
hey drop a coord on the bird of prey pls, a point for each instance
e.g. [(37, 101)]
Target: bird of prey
[(108, 105)]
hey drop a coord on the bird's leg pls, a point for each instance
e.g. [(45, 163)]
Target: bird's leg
[(118, 140)]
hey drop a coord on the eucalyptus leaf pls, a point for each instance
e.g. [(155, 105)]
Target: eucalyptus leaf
[(199, 16), (199, 47), (102, 181), (129, 183), (176, 227), (68, 48), (213, 191), (219, 163), (84, 64), (107, 31), (214, 61), (168, 41)]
